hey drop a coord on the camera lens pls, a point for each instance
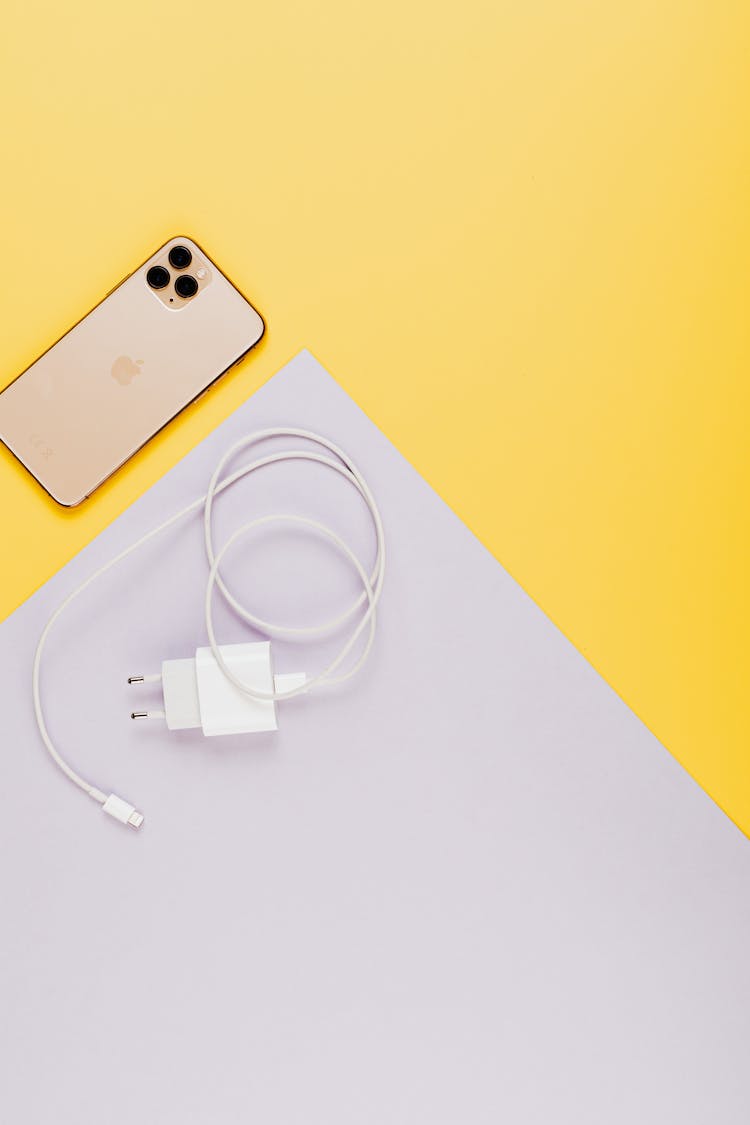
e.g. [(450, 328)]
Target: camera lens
[(186, 286), (180, 257), (157, 277)]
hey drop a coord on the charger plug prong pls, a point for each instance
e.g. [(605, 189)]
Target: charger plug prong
[(154, 678)]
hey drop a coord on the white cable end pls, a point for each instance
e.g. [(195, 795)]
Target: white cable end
[(122, 811)]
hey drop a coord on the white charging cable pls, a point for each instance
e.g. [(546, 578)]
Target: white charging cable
[(372, 586)]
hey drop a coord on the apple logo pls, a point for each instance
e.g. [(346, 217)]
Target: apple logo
[(124, 369)]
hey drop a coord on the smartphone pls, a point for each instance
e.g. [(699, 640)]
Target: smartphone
[(156, 343)]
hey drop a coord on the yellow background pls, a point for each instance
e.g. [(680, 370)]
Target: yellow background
[(518, 235)]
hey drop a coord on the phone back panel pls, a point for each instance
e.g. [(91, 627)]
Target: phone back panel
[(119, 375)]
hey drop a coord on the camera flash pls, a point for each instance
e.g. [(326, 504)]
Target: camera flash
[(201, 273)]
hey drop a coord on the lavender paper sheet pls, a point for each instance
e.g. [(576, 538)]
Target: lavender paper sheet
[(470, 887)]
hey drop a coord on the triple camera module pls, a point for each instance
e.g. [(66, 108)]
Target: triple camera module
[(185, 284)]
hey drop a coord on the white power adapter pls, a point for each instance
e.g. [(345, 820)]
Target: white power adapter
[(197, 693)]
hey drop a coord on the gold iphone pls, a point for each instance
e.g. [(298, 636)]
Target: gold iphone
[(155, 343)]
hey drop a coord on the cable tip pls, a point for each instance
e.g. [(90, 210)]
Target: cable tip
[(136, 679), (139, 714), (126, 814)]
